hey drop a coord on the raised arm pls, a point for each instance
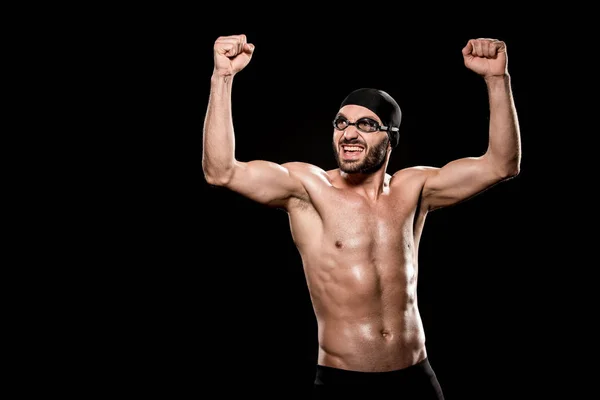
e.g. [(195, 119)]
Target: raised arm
[(262, 181), (466, 177)]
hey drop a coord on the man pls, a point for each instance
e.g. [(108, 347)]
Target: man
[(358, 228)]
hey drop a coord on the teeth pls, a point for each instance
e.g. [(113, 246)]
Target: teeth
[(352, 148)]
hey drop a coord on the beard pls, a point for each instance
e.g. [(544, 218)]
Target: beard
[(373, 160)]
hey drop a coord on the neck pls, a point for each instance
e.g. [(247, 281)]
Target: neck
[(370, 185)]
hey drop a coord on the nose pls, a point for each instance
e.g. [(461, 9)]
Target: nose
[(351, 132)]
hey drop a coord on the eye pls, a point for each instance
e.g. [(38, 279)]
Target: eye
[(367, 124), (341, 123)]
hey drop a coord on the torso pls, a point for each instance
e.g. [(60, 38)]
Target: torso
[(360, 263)]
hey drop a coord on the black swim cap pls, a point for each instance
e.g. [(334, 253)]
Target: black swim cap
[(383, 105)]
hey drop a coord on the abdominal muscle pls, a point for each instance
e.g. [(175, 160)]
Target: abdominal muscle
[(366, 311)]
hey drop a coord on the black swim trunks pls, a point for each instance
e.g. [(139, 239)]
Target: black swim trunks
[(417, 382)]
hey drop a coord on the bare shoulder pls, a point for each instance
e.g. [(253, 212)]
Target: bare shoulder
[(312, 179), (411, 180), (416, 173), (307, 173)]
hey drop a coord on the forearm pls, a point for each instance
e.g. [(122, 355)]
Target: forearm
[(504, 135), (218, 146)]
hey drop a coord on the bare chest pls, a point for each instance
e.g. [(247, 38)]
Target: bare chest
[(352, 221)]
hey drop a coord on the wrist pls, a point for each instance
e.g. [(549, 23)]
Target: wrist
[(497, 79), (220, 85), (220, 76)]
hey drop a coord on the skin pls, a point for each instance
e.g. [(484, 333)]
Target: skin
[(358, 232)]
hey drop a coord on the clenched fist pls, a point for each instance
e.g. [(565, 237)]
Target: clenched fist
[(487, 57), (231, 54)]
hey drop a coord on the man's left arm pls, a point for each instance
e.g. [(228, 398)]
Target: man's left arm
[(466, 177)]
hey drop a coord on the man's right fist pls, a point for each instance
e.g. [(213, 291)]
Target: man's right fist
[(232, 54)]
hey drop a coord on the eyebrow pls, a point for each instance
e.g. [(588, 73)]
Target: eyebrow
[(374, 118)]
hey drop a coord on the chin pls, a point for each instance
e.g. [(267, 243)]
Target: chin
[(350, 167)]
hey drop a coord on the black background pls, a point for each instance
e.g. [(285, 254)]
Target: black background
[(207, 287)]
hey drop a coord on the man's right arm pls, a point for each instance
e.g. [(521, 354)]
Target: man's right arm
[(262, 181)]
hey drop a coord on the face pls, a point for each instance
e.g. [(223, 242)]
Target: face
[(354, 149)]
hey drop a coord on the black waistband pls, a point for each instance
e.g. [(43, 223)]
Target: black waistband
[(330, 375)]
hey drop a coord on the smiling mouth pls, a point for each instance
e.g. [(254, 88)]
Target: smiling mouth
[(352, 149)]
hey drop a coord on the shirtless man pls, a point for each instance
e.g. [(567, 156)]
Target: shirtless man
[(357, 228)]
